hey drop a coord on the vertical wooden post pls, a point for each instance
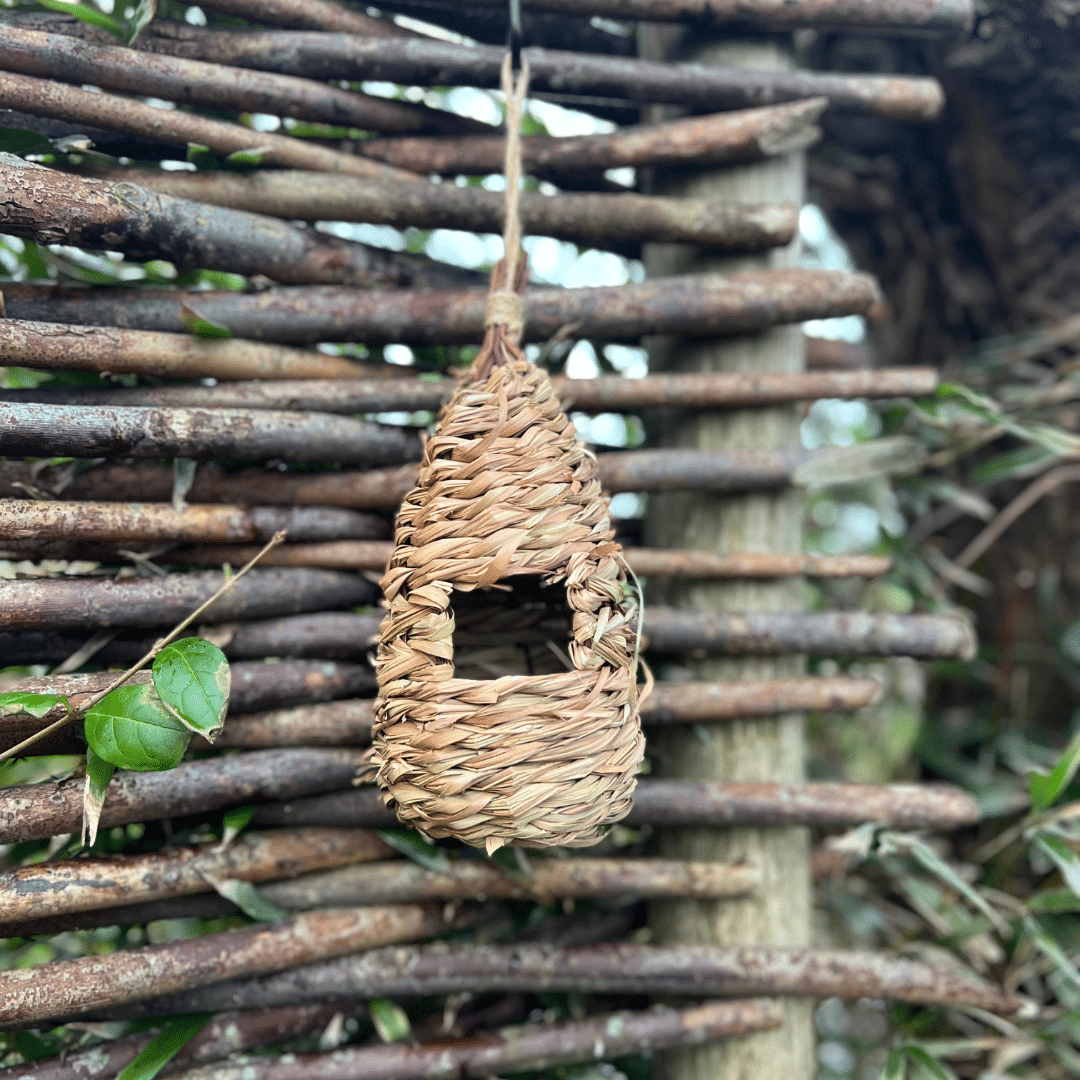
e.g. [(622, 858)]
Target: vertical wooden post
[(769, 749)]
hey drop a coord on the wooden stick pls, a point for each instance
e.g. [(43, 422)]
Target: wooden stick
[(425, 62), (348, 722), (695, 970), (27, 520), (227, 1033), (255, 687), (310, 15), (45, 97), (373, 555), (67, 988), (56, 347), (59, 888), (713, 803), (78, 603), (21, 343), (722, 137), (825, 355), (944, 16), (202, 434), (192, 82), (707, 304), (36, 811), (613, 222), (816, 634), (538, 1046), (51, 207), (123, 887)]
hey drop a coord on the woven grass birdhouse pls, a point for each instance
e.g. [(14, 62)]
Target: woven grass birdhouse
[(507, 707)]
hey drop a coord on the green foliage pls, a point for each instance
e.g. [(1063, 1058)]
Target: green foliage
[(249, 900), (33, 704), (413, 846), (88, 14), (23, 142), (132, 729), (201, 326), (168, 1043), (390, 1020), (1044, 790), (192, 679)]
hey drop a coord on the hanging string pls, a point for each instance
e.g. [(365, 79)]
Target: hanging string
[(504, 305)]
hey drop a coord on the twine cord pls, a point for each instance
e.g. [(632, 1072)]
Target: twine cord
[(504, 306)]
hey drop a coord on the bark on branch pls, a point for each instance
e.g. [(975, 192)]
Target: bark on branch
[(29, 346), (41, 521), (684, 802), (203, 434), (58, 888), (28, 51), (67, 988), (745, 135), (427, 62), (52, 207), (611, 221), (947, 16), (36, 811), (56, 347), (348, 722), (696, 970), (71, 603), (538, 1046), (227, 1033), (702, 304)]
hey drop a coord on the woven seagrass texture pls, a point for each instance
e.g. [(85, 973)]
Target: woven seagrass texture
[(507, 491)]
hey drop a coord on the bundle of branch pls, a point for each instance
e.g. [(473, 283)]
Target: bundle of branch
[(34, 892), (226, 1033), (347, 722), (824, 354), (310, 15), (695, 970), (28, 51), (941, 16), (201, 434), (255, 687), (37, 811), (700, 305), (684, 803), (615, 222), (75, 603), (52, 207), (427, 62), (116, 888), (745, 135), (68, 988), (50, 345)]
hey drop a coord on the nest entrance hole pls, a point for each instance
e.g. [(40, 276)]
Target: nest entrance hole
[(518, 626)]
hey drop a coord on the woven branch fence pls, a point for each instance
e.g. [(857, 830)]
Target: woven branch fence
[(113, 534)]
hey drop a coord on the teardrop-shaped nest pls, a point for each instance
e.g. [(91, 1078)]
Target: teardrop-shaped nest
[(546, 755)]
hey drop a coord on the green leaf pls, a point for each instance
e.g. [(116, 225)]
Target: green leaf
[(199, 326), (140, 18), (929, 1064), (415, 847), (169, 1042), (895, 1067), (248, 899), (1054, 902), (87, 13), (98, 774), (251, 156), (1044, 790), (1063, 857), (389, 1019), (22, 141), (192, 678), (36, 705), (1051, 950), (133, 729), (234, 822)]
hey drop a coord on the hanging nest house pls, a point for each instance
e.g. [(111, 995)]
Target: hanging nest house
[(507, 707)]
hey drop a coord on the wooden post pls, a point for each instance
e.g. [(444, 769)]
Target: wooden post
[(752, 749)]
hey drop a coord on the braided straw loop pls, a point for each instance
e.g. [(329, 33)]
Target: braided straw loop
[(507, 505)]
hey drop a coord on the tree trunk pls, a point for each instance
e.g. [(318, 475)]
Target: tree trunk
[(767, 749)]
